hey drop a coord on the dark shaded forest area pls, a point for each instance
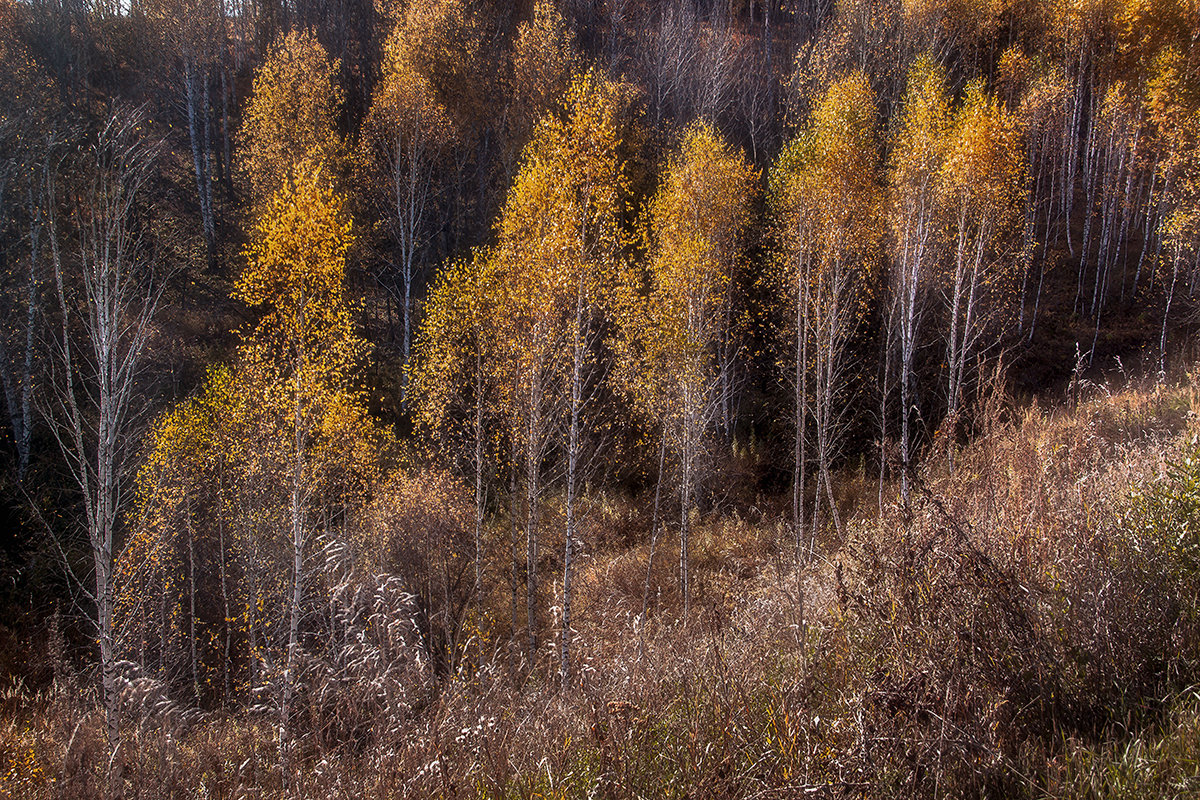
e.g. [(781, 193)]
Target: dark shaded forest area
[(697, 398)]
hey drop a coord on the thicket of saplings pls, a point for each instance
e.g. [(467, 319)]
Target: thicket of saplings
[(445, 398)]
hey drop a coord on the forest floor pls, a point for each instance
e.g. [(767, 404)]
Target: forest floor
[(1027, 625)]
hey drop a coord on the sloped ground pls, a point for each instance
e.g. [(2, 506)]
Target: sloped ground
[(1027, 625)]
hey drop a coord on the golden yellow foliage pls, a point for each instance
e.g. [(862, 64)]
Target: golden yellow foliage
[(291, 119), (825, 187), (279, 439), (543, 60), (406, 107), (983, 173), (698, 222), (445, 43), (559, 232), (455, 342), (1172, 103), (919, 147), (297, 261)]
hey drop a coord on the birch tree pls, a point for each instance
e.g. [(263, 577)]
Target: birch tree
[(698, 223), (455, 383), (544, 60), (302, 354), (916, 238), (291, 118), (559, 235), (407, 138), (193, 34), (1173, 108), (827, 197), (169, 617), (982, 186), (243, 479), (108, 288)]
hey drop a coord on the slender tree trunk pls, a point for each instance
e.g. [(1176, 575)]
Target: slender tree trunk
[(203, 187), (479, 498), (1126, 208), (102, 557), (725, 350), (800, 405), (911, 266), (210, 232), (298, 536), (24, 439), (1089, 191), (953, 350), (192, 657), (768, 46), (1037, 301), (662, 457), (685, 502), (1028, 234), (225, 91), (227, 682), (1162, 342), (532, 491), (104, 510), (253, 624), (885, 373), (18, 386), (514, 521), (572, 477), (407, 345), (912, 262), (1146, 233)]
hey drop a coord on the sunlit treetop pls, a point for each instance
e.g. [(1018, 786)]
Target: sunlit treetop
[(543, 60), (702, 207), (446, 43), (296, 270), (1147, 27), (407, 131), (561, 218), (696, 229), (984, 169), (291, 119), (924, 120), (826, 198), (826, 179), (456, 337)]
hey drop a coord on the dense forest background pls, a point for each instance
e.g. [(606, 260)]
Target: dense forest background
[(373, 367)]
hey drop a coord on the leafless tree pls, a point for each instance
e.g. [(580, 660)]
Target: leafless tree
[(690, 65), (21, 211), (108, 293)]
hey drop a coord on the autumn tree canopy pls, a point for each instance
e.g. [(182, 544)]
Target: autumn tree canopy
[(291, 117)]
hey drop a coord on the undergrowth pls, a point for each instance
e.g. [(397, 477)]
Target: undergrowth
[(1027, 625)]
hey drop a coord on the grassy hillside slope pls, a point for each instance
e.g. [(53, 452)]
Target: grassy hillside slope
[(1028, 626)]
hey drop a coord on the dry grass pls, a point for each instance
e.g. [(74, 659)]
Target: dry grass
[(1009, 633)]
